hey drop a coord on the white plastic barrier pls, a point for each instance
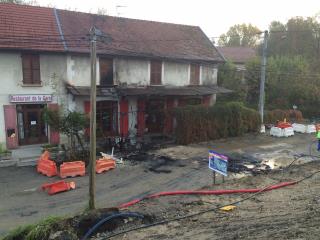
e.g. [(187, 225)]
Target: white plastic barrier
[(279, 132), (311, 128), (299, 128), (287, 132), (275, 131)]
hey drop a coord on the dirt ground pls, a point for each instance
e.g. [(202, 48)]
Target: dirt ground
[(22, 202), (288, 213)]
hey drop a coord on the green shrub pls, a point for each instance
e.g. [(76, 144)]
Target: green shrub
[(200, 123)]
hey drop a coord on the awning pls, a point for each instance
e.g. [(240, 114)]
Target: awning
[(150, 91), (171, 91)]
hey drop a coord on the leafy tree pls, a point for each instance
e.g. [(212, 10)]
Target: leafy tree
[(102, 11), (231, 78), (299, 36), (69, 124), (244, 35), (288, 83)]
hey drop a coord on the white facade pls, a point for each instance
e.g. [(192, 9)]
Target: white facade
[(57, 70), (131, 72), (53, 75)]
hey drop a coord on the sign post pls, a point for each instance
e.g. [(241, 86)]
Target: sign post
[(218, 163)]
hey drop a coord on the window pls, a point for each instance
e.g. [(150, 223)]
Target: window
[(31, 69), (194, 74), (107, 116), (155, 72), (106, 71)]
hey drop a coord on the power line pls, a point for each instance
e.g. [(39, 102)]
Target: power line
[(295, 31), (272, 31), (257, 70)]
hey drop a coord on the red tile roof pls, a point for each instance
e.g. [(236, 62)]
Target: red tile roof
[(237, 54), (129, 37), (28, 27), (142, 38)]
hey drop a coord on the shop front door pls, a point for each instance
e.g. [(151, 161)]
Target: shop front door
[(32, 129)]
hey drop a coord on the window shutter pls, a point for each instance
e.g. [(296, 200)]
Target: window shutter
[(194, 74), (26, 69), (156, 72), (31, 69), (36, 69), (54, 135), (11, 130), (124, 119)]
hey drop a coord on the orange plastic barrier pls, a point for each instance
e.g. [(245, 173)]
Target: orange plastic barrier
[(104, 164), (284, 125), (45, 166), (72, 169), (45, 155), (57, 187)]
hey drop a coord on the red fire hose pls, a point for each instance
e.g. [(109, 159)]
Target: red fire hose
[(207, 192)]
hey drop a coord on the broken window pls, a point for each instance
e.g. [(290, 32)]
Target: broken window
[(31, 69), (194, 74), (155, 115), (155, 72), (106, 71), (107, 115)]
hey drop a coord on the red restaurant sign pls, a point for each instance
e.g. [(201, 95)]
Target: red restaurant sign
[(30, 98)]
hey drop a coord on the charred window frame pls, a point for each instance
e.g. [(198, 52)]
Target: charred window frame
[(106, 71), (194, 74), (155, 72), (31, 69), (107, 116)]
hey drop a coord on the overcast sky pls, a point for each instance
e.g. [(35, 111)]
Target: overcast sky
[(214, 17)]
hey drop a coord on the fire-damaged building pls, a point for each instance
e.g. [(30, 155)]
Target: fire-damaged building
[(144, 68)]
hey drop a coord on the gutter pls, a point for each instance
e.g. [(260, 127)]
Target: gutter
[(60, 29)]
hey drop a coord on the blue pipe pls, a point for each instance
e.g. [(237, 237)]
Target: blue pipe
[(106, 219)]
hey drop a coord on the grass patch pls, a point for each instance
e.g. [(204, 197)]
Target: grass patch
[(44, 229), (19, 233), (39, 231)]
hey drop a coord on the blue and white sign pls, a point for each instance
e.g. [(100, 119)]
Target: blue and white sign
[(218, 163)]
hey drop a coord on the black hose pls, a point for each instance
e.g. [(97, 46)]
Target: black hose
[(106, 219)]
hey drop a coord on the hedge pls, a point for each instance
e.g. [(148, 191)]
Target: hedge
[(200, 123), (291, 115)]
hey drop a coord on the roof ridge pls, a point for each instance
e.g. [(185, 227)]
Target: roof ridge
[(127, 18), (95, 14)]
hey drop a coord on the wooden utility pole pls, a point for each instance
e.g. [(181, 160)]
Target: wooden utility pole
[(92, 165)]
